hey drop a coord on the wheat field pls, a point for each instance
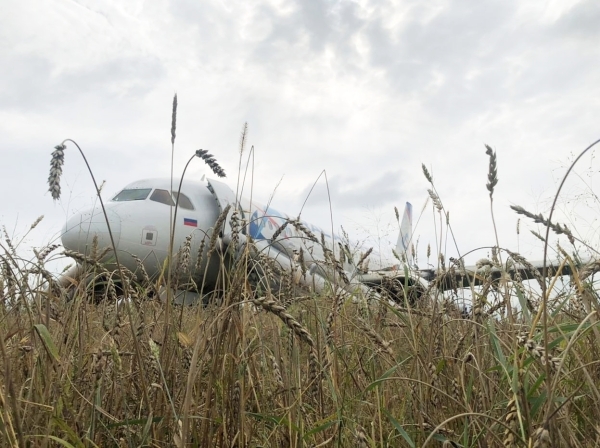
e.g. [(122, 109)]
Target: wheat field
[(262, 368)]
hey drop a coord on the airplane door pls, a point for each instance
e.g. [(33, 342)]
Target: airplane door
[(224, 197)]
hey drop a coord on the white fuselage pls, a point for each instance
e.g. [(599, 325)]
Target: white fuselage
[(140, 218)]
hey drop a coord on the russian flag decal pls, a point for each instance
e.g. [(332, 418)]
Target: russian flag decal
[(190, 222)]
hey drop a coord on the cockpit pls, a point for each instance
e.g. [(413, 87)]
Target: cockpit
[(155, 195)]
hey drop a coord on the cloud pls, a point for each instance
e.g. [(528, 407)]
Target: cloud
[(581, 22), (357, 192), (367, 90), (31, 84)]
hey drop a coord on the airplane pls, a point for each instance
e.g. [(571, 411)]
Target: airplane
[(140, 218)]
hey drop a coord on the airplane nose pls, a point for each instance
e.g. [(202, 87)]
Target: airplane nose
[(79, 231)]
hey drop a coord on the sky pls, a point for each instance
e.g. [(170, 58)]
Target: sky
[(364, 91)]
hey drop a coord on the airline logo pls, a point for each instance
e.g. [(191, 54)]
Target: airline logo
[(190, 222)]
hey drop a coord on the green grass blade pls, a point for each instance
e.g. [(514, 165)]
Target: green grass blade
[(44, 335), (399, 428)]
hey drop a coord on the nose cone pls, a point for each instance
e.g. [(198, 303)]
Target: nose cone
[(79, 231)]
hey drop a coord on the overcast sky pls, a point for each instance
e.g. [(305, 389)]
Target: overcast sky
[(365, 90)]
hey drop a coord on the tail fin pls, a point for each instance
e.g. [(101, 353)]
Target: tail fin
[(405, 236)]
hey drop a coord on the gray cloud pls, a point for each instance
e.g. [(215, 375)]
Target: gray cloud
[(581, 22), (357, 192), (30, 84)]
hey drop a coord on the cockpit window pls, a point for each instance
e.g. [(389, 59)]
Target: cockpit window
[(184, 201), (162, 196), (136, 194)]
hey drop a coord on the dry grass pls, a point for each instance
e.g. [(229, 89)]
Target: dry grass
[(319, 372)]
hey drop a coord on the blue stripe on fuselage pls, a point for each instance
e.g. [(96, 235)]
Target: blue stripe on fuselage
[(259, 220)]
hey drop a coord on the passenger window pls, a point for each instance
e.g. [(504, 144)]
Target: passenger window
[(184, 201), (162, 196), (136, 194)]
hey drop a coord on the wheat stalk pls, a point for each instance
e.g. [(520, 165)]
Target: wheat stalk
[(492, 170), (209, 159), (56, 164), (539, 219)]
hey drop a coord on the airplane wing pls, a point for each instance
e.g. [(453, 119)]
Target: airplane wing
[(396, 281), (464, 277)]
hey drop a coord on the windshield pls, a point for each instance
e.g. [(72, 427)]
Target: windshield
[(164, 197), (137, 194), (184, 201)]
